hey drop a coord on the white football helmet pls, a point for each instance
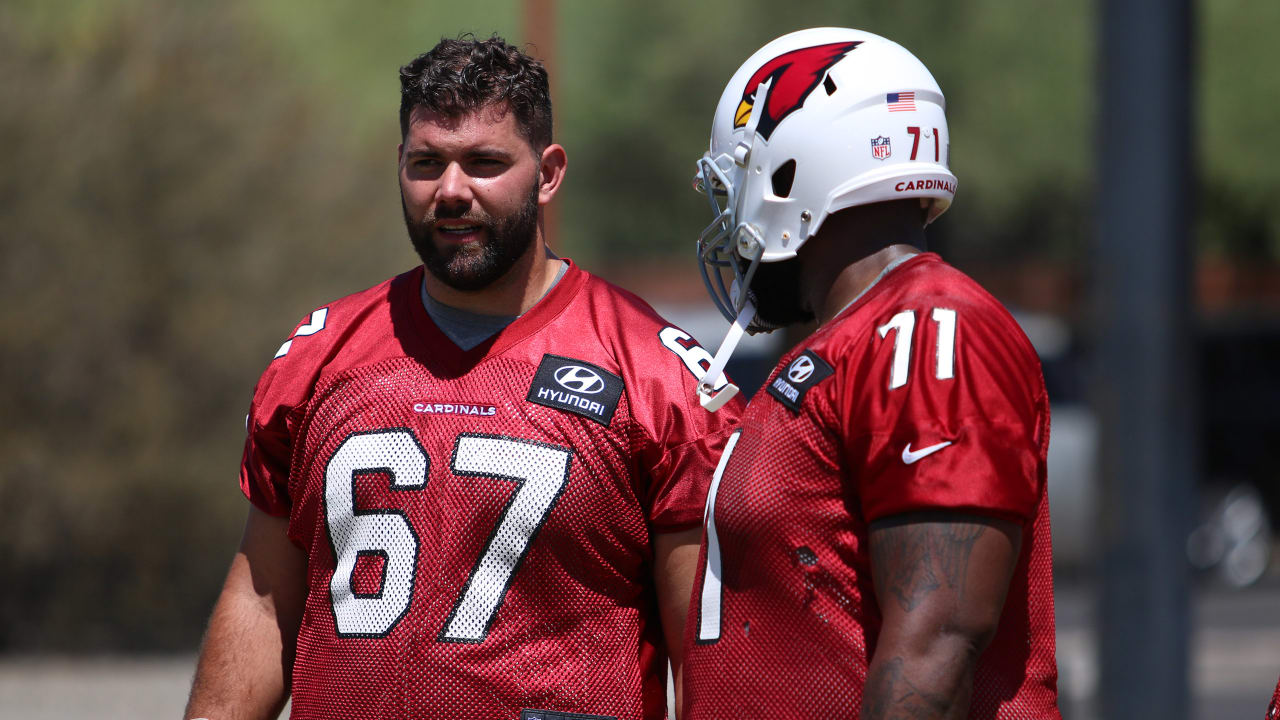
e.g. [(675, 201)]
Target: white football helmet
[(816, 121)]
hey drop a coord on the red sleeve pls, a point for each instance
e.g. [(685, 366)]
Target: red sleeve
[(679, 482), (961, 430), (264, 468), (680, 442), (268, 448)]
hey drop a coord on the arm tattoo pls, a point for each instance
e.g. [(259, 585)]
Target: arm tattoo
[(918, 558), (891, 696)]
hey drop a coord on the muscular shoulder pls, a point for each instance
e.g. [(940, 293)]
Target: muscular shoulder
[(939, 396), (929, 309), (928, 348), (342, 333), (926, 282), (934, 285), (659, 362), (619, 309), (336, 335), (647, 345)]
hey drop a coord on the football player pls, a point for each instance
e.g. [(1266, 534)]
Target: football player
[(877, 533), (475, 488)]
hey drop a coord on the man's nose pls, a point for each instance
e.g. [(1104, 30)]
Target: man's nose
[(455, 186)]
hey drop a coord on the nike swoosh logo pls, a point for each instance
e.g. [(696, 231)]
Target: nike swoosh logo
[(909, 456)]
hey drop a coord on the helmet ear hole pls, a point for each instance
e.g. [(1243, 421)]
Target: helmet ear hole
[(783, 177), (829, 85)]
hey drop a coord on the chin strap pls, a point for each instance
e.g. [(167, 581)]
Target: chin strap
[(707, 396)]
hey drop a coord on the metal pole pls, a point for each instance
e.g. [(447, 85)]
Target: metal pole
[(1143, 378), (539, 27)]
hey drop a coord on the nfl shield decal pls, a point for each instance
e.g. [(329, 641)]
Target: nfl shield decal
[(880, 148)]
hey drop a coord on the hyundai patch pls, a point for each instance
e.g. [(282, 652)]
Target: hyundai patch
[(795, 380), (577, 387)]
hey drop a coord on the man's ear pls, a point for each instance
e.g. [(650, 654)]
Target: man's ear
[(551, 168)]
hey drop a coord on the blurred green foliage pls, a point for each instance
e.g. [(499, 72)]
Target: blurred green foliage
[(184, 181), (168, 205), (1239, 149)]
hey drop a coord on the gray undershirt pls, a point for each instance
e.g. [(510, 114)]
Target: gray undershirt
[(468, 329)]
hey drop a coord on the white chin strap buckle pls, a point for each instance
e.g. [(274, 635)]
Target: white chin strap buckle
[(710, 398), (713, 401)]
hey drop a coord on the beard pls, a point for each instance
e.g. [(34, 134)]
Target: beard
[(775, 290), (475, 266)]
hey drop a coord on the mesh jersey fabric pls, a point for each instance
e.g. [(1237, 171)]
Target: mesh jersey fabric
[(472, 552), (785, 623)]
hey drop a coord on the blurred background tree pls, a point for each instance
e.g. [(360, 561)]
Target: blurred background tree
[(184, 181)]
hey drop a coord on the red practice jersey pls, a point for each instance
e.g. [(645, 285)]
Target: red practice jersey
[(1273, 710), (924, 394), (477, 524)]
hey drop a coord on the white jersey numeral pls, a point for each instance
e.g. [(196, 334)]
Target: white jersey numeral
[(695, 357), (903, 324), (709, 610), (387, 533), (314, 325), (540, 472), (946, 320)]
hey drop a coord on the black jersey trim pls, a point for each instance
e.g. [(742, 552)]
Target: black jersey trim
[(555, 715)]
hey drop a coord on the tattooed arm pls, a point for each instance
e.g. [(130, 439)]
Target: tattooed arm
[(940, 580)]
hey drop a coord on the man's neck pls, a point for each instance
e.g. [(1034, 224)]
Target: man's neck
[(855, 278), (853, 248), (512, 294)]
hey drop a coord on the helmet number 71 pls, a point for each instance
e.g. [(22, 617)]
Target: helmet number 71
[(915, 142)]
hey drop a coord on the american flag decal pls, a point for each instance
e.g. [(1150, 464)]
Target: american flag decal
[(901, 101)]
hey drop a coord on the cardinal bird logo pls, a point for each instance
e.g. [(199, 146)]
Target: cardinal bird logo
[(794, 75)]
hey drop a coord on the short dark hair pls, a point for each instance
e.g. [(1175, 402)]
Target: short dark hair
[(460, 76)]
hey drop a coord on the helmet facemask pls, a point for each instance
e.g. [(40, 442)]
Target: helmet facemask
[(728, 250)]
